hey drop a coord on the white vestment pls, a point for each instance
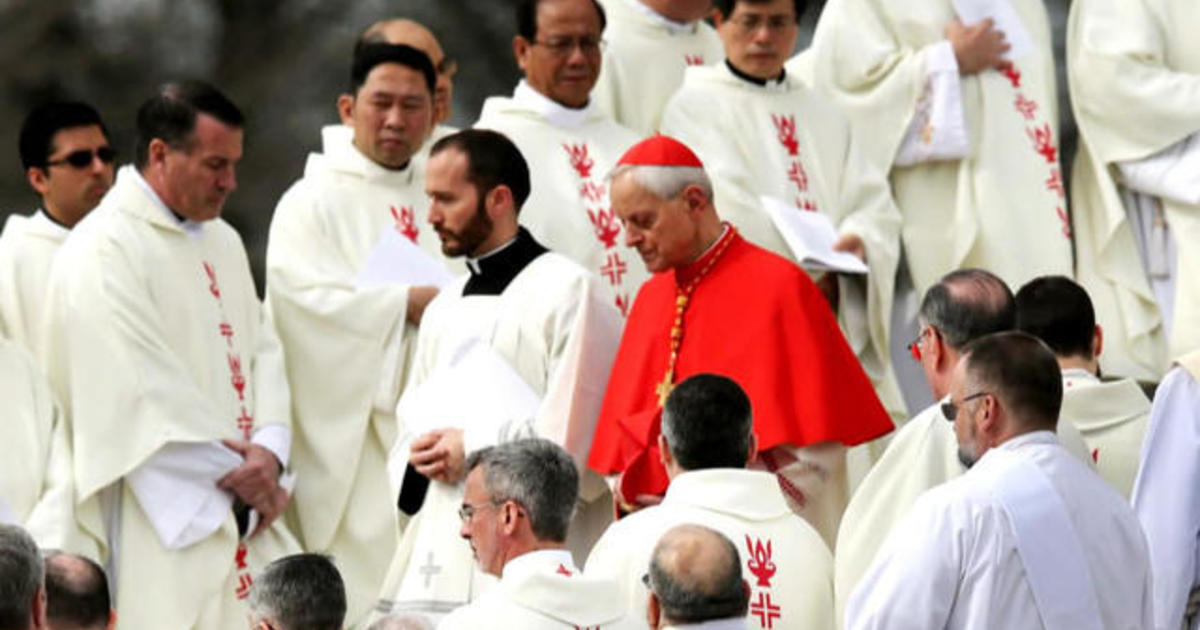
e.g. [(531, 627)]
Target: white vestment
[(644, 58), (542, 590), (558, 332), (1029, 538), (1134, 70), (1111, 416), (784, 560), (923, 454), (569, 153), (27, 249), (999, 204), (783, 140), (30, 416), (1166, 496), (347, 348), (158, 348)]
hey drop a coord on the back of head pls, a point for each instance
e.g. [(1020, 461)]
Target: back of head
[(696, 575), (707, 422), (77, 594), (538, 475), (369, 55), (1059, 312), (1021, 371), (300, 592), (492, 160), (37, 132), (968, 304), (170, 115), (21, 575)]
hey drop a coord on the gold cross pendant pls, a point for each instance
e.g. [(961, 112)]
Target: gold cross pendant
[(664, 388)]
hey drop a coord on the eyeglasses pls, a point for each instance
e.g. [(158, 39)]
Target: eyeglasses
[(748, 24), (83, 157), (564, 46), (914, 346), (646, 579), (950, 410), (467, 511)]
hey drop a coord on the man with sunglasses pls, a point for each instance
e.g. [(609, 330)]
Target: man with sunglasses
[(569, 143), (68, 162), (1029, 537)]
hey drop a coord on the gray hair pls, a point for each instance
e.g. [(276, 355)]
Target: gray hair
[(665, 182), (538, 475), (967, 304), (691, 588), (300, 592), (22, 573)]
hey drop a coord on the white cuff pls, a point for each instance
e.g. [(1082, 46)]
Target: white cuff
[(1173, 173), (275, 438), (938, 129)]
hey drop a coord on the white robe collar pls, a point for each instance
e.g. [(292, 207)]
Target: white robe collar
[(42, 224), (538, 561), (1027, 439), (189, 227), (729, 623), (338, 153), (743, 494), (526, 97), (671, 27)]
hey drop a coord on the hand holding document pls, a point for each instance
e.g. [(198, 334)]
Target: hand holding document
[(810, 236), (1005, 18), (397, 260)]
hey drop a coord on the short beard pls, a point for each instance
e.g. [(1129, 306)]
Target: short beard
[(473, 234)]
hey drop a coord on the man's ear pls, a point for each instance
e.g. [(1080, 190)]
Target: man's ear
[(753, 454), (664, 452), (345, 108), (38, 608), (112, 620), (499, 202), (37, 178), (521, 47), (653, 612), (1097, 342), (695, 198)]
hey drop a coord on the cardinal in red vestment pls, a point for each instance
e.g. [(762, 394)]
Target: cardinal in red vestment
[(720, 304)]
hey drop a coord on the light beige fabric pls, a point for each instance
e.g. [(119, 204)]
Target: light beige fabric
[(27, 249), (1112, 417)]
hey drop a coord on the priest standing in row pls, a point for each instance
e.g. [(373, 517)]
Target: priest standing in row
[(521, 346), (720, 304), (569, 142), (171, 376)]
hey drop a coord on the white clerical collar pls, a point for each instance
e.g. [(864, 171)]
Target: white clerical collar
[(535, 561), (728, 623), (724, 231), (673, 28), (191, 228), (555, 112), (1025, 439), (473, 263), (44, 221)]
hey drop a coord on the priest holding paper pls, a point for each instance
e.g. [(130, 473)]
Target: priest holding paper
[(351, 266), (519, 347), (720, 304)]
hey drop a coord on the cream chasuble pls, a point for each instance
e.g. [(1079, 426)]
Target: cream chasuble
[(558, 331), (157, 343), (923, 454), (1028, 539), (27, 249), (1003, 207), (1134, 70), (783, 140), (644, 59), (30, 416), (784, 560), (346, 348), (569, 153), (1111, 416)]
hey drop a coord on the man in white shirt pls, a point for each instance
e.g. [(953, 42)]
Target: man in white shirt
[(706, 442), (68, 162), (695, 582), (415, 34), (516, 508), (1029, 537)]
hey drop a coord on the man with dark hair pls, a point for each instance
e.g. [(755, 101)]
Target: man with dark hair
[(348, 322), (68, 162), (516, 510), (22, 581), (695, 581), (707, 441), (157, 336), (1027, 520), (298, 592), (530, 332), (1111, 414), (415, 34), (964, 306), (567, 141), (77, 595)]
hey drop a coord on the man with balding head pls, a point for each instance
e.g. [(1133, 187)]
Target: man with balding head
[(77, 594), (695, 581)]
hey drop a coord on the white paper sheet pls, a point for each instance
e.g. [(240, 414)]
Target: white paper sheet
[(1006, 21), (397, 260), (1173, 173), (811, 236)]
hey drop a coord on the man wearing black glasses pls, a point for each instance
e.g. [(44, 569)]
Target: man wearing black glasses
[(68, 162)]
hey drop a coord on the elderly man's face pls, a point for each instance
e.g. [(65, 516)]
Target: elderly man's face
[(663, 232), (759, 37), (199, 175), (482, 524), (563, 61), (392, 114)]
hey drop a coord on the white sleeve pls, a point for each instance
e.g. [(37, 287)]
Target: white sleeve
[(1166, 497), (938, 128), (275, 438), (177, 489), (1173, 173)]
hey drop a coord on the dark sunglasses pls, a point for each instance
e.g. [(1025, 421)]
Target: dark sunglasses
[(950, 410), (83, 157)]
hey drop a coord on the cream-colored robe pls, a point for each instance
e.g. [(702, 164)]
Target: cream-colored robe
[(784, 560), (27, 249), (29, 417), (569, 153), (558, 331), (785, 141), (1134, 70), (1111, 416), (346, 349), (157, 338), (922, 454), (1003, 207), (644, 59)]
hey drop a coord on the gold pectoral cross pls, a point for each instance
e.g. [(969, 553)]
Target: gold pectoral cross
[(664, 388)]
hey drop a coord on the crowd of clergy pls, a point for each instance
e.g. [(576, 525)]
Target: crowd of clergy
[(689, 331)]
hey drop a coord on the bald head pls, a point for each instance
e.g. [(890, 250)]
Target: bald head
[(695, 575), (76, 593), (968, 304), (410, 33)]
